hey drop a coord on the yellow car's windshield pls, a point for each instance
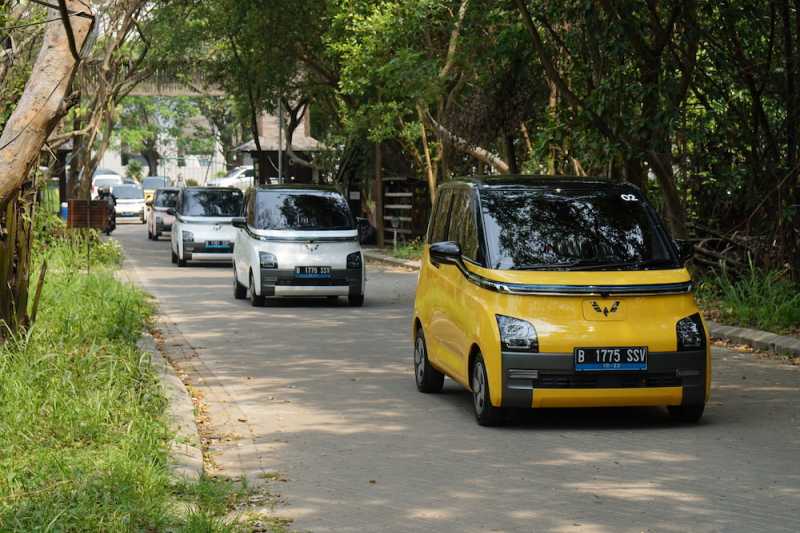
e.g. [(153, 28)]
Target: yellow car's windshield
[(572, 229)]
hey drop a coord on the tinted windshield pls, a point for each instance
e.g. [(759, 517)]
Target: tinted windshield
[(211, 203), (284, 210), (154, 183), (166, 198), (575, 229), (107, 181), (127, 192)]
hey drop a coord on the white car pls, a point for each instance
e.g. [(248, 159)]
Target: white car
[(297, 241), (202, 229), (129, 202), (104, 180), (158, 218), (240, 177)]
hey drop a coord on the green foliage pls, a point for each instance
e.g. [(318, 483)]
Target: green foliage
[(69, 249), (409, 250), (83, 437), (135, 169), (757, 299)]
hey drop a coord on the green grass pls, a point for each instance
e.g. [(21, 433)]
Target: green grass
[(408, 250), (83, 437), (757, 299)]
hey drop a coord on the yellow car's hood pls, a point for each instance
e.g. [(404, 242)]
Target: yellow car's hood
[(585, 309)]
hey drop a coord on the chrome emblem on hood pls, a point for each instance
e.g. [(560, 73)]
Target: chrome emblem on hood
[(606, 310), (312, 246)]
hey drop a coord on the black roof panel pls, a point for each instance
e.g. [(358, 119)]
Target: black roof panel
[(504, 181)]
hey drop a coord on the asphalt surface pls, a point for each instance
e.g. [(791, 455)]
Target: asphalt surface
[(319, 400)]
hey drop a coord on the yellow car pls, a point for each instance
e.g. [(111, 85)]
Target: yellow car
[(556, 292), (151, 183)]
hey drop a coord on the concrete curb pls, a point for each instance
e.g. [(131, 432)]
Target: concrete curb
[(394, 261), (185, 455), (760, 340)]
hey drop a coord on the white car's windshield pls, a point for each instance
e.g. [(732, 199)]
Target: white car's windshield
[(306, 210), (212, 203), (127, 192)]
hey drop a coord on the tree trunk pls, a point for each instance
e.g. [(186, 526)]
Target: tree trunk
[(37, 113), (151, 156), (377, 194), (510, 153)]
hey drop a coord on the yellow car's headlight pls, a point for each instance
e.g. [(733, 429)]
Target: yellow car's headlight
[(517, 335)]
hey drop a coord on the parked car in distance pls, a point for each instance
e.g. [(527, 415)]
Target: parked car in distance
[(151, 183), (544, 292), (159, 220), (104, 179), (297, 241), (240, 177), (202, 229), (130, 201)]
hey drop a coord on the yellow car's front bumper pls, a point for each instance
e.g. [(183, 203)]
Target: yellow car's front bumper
[(551, 380)]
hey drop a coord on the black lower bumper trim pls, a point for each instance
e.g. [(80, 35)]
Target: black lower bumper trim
[(350, 278), (665, 369)]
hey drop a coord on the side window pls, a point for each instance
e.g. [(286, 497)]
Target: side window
[(438, 231), (463, 227)]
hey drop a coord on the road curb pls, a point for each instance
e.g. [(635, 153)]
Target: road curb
[(185, 459), (185, 455), (394, 261), (760, 340)]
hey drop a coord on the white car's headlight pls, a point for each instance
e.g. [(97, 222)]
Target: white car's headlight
[(517, 335), (187, 236), (267, 260)]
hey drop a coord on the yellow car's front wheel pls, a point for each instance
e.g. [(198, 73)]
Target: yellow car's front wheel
[(428, 378), (485, 413), (686, 413)]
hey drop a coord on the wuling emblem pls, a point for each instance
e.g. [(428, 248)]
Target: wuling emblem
[(605, 311)]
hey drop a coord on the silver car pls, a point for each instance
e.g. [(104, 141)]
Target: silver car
[(297, 241), (158, 218), (202, 228)]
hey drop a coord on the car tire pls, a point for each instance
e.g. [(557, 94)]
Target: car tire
[(174, 256), (256, 300), (485, 413), (156, 236), (686, 413), (427, 378), (181, 261), (355, 300), (239, 290)]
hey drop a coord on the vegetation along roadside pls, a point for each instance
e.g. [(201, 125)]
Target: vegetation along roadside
[(83, 438)]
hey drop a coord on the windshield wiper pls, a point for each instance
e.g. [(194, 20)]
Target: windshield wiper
[(595, 264), (628, 265)]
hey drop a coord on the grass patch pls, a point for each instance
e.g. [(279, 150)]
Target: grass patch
[(762, 300), (408, 250), (83, 437)]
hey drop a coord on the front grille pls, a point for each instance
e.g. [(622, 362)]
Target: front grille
[(604, 381)]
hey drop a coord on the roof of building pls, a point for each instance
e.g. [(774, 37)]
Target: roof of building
[(269, 139)]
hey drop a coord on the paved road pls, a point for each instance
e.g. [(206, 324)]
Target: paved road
[(324, 397)]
